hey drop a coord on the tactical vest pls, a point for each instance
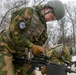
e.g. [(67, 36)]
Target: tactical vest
[(36, 31)]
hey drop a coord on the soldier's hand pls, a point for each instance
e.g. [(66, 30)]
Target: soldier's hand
[(43, 70), (37, 50)]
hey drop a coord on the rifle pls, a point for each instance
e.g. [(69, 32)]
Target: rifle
[(40, 61), (71, 63), (36, 61)]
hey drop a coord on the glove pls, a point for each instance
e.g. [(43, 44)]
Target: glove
[(37, 50), (43, 70)]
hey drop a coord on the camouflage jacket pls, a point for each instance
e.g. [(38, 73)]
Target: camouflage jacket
[(27, 27), (59, 53)]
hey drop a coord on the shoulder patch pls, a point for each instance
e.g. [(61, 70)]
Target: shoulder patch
[(22, 25)]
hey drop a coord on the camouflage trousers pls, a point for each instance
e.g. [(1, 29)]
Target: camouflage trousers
[(7, 67)]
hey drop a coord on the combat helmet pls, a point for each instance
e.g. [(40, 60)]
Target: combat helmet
[(58, 7)]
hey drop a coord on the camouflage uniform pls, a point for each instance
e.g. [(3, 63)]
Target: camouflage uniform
[(59, 53), (27, 27)]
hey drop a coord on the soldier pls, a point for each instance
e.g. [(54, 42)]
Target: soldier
[(60, 54), (27, 30)]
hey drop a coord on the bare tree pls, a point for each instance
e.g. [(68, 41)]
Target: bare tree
[(71, 12), (5, 19)]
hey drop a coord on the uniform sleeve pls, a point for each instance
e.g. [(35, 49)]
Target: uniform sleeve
[(21, 40), (23, 16), (66, 53)]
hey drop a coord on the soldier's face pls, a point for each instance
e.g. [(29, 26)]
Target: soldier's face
[(50, 17)]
